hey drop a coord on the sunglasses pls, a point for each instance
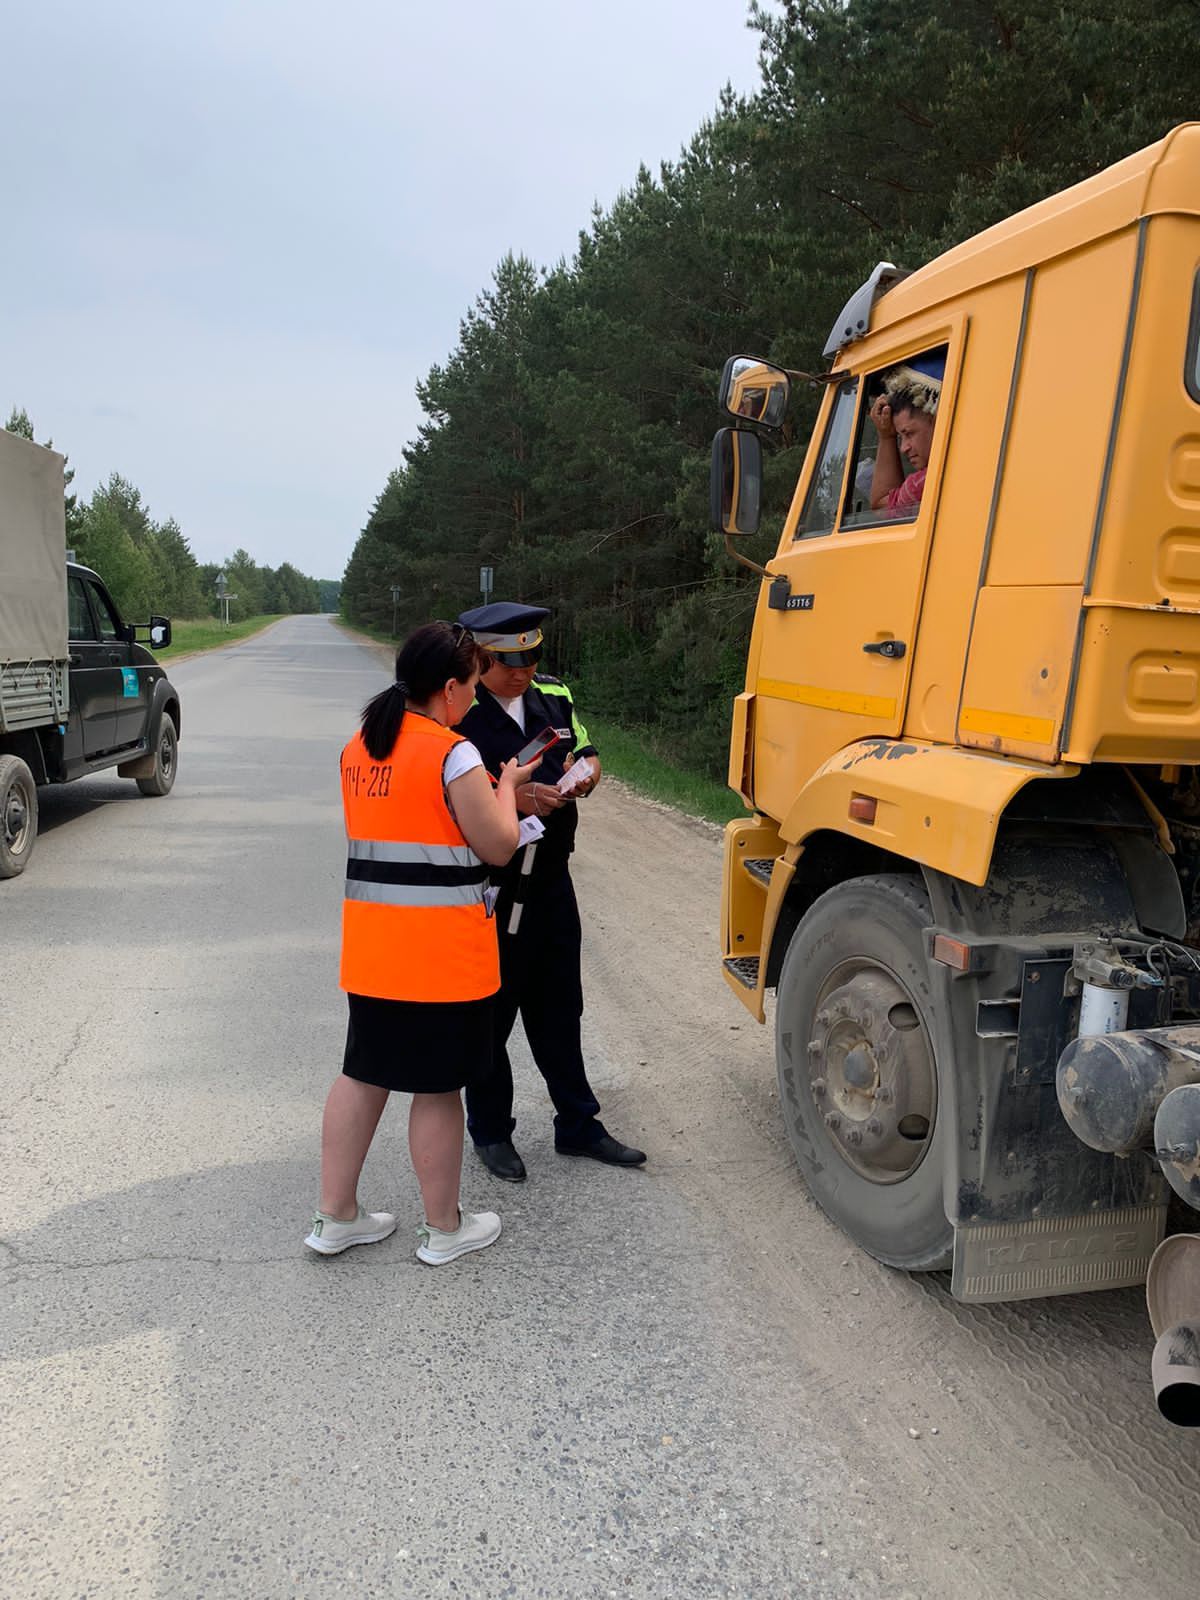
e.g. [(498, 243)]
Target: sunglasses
[(459, 630)]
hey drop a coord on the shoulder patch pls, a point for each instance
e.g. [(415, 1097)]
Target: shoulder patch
[(541, 678)]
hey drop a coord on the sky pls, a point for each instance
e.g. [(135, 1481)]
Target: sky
[(239, 232)]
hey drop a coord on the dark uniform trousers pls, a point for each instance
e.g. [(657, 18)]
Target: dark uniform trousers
[(539, 977)]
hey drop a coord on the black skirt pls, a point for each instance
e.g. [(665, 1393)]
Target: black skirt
[(418, 1047)]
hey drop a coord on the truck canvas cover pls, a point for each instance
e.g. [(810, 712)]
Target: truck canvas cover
[(33, 553)]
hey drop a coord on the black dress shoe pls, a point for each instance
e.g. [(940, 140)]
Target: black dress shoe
[(502, 1161), (606, 1149)]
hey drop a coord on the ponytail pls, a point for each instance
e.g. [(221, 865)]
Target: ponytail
[(381, 720)]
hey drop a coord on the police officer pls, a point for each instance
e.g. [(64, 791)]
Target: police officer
[(536, 913)]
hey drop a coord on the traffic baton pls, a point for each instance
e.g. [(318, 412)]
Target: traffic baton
[(514, 917)]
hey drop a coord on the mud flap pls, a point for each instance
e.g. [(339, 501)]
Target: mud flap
[(1055, 1255), (141, 767), (1034, 1210)]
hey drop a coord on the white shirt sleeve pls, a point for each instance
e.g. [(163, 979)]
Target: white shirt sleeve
[(461, 759)]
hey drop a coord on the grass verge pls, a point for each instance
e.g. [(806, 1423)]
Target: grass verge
[(207, 633), (631, 756)]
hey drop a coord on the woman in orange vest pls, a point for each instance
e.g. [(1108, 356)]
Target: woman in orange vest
[(419, 955)]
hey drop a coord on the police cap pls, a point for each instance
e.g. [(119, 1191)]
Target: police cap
[(511, 632)]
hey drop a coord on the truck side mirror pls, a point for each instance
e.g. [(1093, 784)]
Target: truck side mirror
[(160, 633), (735, 481), (754, 390)]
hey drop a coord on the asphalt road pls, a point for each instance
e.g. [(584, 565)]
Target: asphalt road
[(675, 1382)]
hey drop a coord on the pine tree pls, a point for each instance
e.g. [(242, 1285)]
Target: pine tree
[(565, 440)]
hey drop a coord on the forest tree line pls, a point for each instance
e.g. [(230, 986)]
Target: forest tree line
[(566, 438), (148, 566)]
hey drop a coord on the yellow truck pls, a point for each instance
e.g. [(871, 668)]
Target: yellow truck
[(969, 744)]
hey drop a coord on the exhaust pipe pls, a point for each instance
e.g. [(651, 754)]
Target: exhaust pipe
[(1111, 1084), (1175, 1374), (1173, 1300)]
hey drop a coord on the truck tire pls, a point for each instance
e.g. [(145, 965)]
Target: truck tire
[(858, 1075), (166, 759), (18, 816)]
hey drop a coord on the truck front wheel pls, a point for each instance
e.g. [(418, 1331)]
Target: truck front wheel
[(166, 759), (18, 816), (858, 1078)]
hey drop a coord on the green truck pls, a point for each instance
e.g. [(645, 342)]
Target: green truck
[(79, 691)]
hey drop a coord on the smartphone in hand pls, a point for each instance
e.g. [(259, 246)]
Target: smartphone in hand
[(537, 746)]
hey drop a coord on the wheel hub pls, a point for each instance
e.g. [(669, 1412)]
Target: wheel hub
[(16, 817), (872, 1073)]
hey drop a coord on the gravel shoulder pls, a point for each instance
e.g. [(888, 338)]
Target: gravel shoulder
[(1039, 1459)]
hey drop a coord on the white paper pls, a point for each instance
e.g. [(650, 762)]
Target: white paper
[(530, 831), (579, 772)]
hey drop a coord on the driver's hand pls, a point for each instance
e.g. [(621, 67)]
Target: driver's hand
[(881, 416)]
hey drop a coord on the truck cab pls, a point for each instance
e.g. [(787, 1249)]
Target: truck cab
[(117, 690), (969, 747)]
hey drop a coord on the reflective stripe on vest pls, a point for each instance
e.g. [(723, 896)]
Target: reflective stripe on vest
[(415, 925), (387, 873)]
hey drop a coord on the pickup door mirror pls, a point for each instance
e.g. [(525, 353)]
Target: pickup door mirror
[(160, 633), (754, 390), (735, 481)]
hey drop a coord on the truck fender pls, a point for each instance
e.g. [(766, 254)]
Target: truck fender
[(163, 702), (165, 699), (934, 805)]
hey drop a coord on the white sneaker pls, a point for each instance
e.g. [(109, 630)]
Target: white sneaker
[(329, 1235), (475, 1231)]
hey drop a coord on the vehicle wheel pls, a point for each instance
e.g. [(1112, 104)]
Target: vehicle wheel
[(858, 1079), (166, 759), (18, 816)]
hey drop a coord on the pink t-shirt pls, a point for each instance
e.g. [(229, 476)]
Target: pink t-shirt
[(907, 494)]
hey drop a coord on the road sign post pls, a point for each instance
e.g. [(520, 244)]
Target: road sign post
[(223, 596), (395, 606), (485, 583)]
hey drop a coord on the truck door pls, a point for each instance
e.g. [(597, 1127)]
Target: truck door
[(130, 700), (95, 676), (836, 645)]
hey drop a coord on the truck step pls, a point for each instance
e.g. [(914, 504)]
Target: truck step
[(760, 867), (744, 969)]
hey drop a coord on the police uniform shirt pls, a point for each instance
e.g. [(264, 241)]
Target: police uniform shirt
[(496, 735)]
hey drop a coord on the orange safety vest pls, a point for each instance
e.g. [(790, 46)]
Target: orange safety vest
[(414, 924)]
